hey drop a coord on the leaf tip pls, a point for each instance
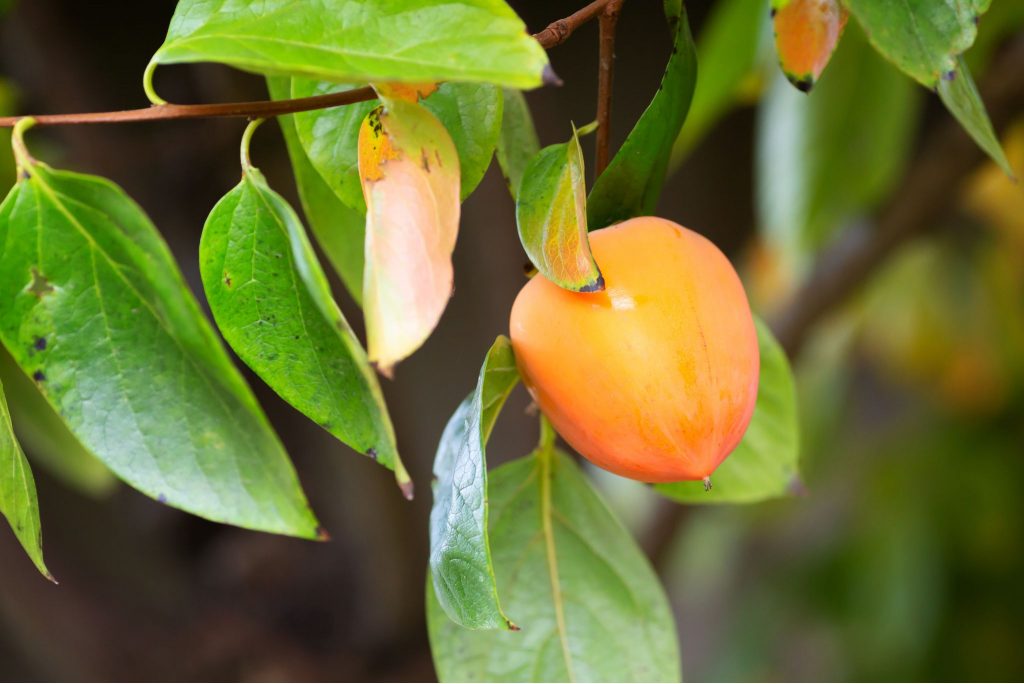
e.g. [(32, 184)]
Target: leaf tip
[(322, 534), (407, 488), (796, 487), (549, 78), (596, 286), (802, 83), (511, 626)]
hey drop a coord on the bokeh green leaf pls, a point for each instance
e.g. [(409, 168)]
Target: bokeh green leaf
[(272, 302), (765, 463), (460, 554), (551, 214), (590, 605), (961, 97)]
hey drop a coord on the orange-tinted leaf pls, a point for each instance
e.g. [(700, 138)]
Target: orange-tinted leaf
[(410, 92), (806, 35), (409, 170)]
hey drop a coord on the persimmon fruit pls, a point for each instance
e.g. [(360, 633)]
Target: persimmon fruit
[(655, 377)]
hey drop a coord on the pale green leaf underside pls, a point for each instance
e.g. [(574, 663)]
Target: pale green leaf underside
[(96, 311), (631, 185), (551, 214), (47, 439), (961, 98), (339, 230), (272, 302), (590, 606), (18, 502), (518, 141), (359, 40), (460, 557), (765, 463)]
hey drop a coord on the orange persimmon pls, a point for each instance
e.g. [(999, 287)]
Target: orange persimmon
[(655, 377)]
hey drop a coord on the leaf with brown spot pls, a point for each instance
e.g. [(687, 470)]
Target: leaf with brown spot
[(409, 92), (412, 220), (806, 35)]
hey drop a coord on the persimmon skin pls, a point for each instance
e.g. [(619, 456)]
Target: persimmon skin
[(655, 377)]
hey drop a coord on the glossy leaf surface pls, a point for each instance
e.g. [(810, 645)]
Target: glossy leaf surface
[(590, 606), (551, 213), (765, 463), (97, 313), (460, 554), (359, 40), (273, 304)]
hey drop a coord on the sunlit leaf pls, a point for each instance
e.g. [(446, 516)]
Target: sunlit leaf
[(410, 174), (631, 184), (18, 502), (551, 212), (961, 97), (806, 35), (339, 230), (460, 554), (518, 142), (359, 40), (47, 439), (97, 313), (765, 463), (272, 302), (590, 606)]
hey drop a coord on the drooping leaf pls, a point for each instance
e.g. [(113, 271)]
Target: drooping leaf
[(460, 554), (471, 113), (631, 184), (339, 230), (18, 502), (824, 157), (97, 313), (921, 37), (727, 47), (765, 463), (551, 213), (960, 95), (518, 141), (272, 302), (46, 437), (348, 41), (806, 35), (590, 606), (410, 174)]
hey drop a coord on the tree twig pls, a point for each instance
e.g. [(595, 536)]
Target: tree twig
[(555, 34), (608, 20)]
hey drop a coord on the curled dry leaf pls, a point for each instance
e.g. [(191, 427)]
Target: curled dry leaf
[(806, 35), (409, 171)]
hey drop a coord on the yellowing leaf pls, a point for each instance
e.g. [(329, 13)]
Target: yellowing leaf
[(410, 92), (806, 35), (409, 170)]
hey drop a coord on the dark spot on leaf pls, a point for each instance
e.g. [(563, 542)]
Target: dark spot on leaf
[(227, 280), (771, 12), (23, 174), (707, 484), (372, 453), (549, 77), (437, 156), (39, 286), (425, 160), (949, 75), (804, 84), (39, 376), (40, 343), (596, 286), (162, 498)]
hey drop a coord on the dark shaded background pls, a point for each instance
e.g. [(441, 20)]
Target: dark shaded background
[(904, 561)]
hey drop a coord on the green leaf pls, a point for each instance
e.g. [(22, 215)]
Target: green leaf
[(765, 463), (97, 313), (471, 113), (7, 106), (47, 439), (272, 302), (18, 501), (518, 142), (551, 213), (728, 48), (460, 556), (590, 605), (960, 95), (631, 184), (359, 40), (339, 230), (921, 37), (824, 157)]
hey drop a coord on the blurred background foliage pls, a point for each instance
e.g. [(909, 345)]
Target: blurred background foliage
[(902, 560)]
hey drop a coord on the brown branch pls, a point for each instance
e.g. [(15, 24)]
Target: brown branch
[(555, 34), (927, 191), (606, 71)]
